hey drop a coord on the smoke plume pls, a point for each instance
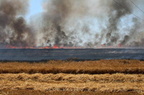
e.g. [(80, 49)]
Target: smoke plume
[(13, 28), (91, 23), (74, 23)]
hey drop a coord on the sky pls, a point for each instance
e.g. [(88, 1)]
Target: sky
[(35, 7)]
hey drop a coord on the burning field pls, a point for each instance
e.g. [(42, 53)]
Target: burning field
[(104, 77), (66, 29)]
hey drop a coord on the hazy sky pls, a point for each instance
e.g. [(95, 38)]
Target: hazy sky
[(34, 8)]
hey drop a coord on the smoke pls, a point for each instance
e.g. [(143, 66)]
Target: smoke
[(91, 23), (13, 28), (84, 23)]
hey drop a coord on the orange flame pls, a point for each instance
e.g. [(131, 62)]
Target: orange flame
[(46, 47)]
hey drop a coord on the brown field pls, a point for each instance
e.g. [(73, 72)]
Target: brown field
[(72, 67), (80, 83), (104, 77), (31, 92)]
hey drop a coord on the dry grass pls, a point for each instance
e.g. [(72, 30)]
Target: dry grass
[(104, 77), (71, 78), (31, 92), (72, 67), (105, 83)]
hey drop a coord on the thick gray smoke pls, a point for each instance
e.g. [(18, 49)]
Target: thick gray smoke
[(91, 23), (13, 28), (84, 23)]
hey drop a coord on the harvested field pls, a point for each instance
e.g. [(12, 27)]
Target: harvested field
[(104, 77), (31, 92), (72, 67), (69, 82)]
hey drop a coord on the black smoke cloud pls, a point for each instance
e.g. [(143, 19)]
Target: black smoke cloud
[(13, 28), (84, 23)]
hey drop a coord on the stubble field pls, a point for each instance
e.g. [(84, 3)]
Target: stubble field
[(103, 77)]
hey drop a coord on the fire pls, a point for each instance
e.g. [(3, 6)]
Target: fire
[(55, 47), (46, 47), (60, 47)]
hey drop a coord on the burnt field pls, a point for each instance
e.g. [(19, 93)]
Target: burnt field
[(103, 77), (38, 55)]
